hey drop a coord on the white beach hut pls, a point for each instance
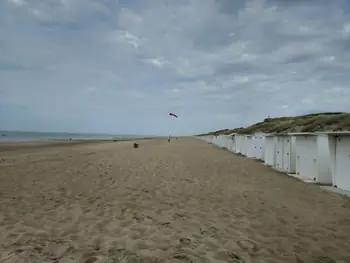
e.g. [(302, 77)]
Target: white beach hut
[(259, 145), (285, 153), (243, 145), (223, 141), (216, 140), (248, 146), (270, 150), (239, 143), (339, 148), (211, 139), (204, 138), (312, 157), (255, 145), (227, 142), (219, 141), (279, 152), (232, 145)]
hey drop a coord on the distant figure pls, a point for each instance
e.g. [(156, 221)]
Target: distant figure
[(169, 138), (70, 139)]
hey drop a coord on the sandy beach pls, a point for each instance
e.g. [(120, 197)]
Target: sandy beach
[(184, 201)]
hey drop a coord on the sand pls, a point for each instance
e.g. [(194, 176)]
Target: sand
[(184, 201)]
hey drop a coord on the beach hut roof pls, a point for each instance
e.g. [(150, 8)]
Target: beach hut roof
[(335, 133), (301, 133)]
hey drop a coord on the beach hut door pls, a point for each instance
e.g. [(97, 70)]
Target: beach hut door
[(286, 155), (342, 159), (279, 154)]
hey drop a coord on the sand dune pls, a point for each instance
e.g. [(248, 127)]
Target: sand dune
[(184, 201)]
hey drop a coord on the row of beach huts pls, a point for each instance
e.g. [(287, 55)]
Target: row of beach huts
[(321, 157)]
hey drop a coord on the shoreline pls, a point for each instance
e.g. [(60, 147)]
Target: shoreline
[(22, 145)]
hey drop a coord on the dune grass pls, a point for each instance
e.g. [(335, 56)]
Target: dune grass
[(327, 121)]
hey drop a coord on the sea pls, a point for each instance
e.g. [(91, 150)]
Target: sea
[(23, 136)]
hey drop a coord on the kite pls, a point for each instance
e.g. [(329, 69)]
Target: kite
[(172, 114)]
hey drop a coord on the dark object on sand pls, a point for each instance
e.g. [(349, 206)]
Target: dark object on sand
[(136, 145), (70, 139), (168, 139)]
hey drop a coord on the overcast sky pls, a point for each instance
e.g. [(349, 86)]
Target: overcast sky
[(120, 66)]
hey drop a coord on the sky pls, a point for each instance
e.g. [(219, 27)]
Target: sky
[(120, 66)]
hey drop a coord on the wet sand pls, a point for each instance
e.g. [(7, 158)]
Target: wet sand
[(184, 201)]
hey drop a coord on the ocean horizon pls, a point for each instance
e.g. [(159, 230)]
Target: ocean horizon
[(26, 136)]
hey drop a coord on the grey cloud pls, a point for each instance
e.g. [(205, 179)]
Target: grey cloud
[(299, 58), (234, 68), (230, 7), (11, 66)]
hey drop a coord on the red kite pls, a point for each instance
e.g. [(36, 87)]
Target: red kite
[(172, 114)]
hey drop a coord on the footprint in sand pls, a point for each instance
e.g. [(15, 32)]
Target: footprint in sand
[(248, 246), (229, 257), (138, 218), (169, 204), (55, 249), (184, 241), (314, 259), (234, 258), (166, 224), (52, 250), (10, 227), (13, 256), (124, 210), (179, 216), (323, 259), (12, 236), (211, 231), (123, 255), (181, 257), (92, 259)]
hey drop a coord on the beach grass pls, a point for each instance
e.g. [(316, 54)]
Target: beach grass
[(328, 121)]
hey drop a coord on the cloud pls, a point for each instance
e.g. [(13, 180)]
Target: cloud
[(159, 62), (126, 37), (17, 2), (121, 66)]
